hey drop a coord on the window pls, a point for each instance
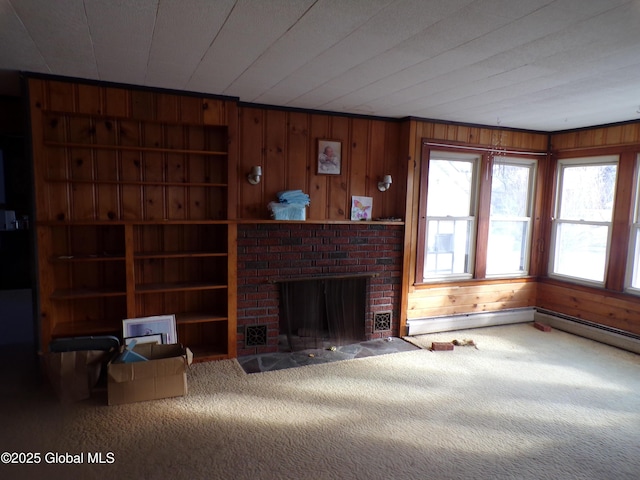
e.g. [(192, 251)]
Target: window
[(512, 189), (476, 213), (583, 216), (633, 282), (451, 210)]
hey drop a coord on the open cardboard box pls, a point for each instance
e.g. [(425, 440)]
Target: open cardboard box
[(74, 374), (164, 375)]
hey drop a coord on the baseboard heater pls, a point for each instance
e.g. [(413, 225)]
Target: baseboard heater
[(594, 331), (471, 320)]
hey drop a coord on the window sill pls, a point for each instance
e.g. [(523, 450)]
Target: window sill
[(475, 281)]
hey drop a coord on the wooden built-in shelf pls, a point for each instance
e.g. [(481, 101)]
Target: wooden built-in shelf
[(131, 214), (198, 317), (150, 255), (177, 287), (77, 293), (88, 258), (136, 148), (81, 329), (205, 354), (142, 183), (136, 222)]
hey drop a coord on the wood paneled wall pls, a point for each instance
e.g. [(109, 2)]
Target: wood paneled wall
[(423, 301), (284, 143), (610, 306), (595, 305), (474, 297), (613, 136), (95, 99), (480, 136)]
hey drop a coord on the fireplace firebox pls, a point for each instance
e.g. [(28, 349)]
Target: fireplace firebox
[(325, 310)]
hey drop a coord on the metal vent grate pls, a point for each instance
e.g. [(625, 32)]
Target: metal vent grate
[(255, 335), (381, 321)]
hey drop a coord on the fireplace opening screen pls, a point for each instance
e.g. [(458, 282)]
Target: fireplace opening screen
[(320, 312)]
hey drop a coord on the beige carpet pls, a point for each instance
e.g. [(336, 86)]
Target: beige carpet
[(524, 405)]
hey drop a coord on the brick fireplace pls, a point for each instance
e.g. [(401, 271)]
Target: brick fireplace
[(269, 252)]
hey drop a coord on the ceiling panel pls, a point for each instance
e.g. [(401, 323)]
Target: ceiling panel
[(183, 32), (533, 64), (246, 34), (18, 48), (305, 40), (121, 34), (60, 34), (463, 52), (391, 26)]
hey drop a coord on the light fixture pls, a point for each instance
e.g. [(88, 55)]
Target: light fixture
[(255, 175), (386, 182)]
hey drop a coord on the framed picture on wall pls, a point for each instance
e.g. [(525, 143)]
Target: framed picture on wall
[(329, 157)]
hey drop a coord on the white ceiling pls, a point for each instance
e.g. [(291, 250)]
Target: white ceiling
[(536, 64)]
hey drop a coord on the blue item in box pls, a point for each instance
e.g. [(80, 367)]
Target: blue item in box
[(129, 356), (288, 211), (294, 196)]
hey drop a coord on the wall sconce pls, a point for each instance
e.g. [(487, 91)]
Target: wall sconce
[(386, 182), (254, 177)]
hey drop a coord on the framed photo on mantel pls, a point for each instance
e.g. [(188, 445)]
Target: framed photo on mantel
[(361, 208)]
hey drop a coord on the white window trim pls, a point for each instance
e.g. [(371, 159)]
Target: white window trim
[(476, 160), (555, 221), (634, 249), (472, 252), (533, 164), (527, 246)]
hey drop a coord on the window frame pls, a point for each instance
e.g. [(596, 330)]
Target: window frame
[(476, 158), (605, 159), (634, 231), (533, 166), (537, 252)]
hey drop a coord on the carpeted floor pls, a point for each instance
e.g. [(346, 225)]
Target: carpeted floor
[(524, 405)]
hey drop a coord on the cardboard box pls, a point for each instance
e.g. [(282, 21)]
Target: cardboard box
[(74, 374), (164, 375)]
